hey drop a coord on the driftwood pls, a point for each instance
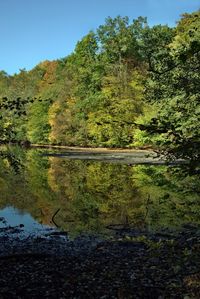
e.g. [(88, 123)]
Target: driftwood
[(53, 217)]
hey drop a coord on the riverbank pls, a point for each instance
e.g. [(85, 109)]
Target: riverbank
[(133, 156), (133, 264), (119, 156), (93, 149)]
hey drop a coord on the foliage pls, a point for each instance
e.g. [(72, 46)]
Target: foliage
[(93, 196), (125, 85), (175, 88)]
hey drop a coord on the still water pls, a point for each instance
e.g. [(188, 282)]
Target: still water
[(93, 196)]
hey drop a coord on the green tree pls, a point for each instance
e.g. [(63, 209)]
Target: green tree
[(175, 86)]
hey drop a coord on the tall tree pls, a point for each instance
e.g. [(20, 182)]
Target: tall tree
[(176, 88)]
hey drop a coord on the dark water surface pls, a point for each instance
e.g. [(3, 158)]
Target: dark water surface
[(93, 196)]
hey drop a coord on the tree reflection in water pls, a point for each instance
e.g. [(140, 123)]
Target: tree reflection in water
[(95, 196)]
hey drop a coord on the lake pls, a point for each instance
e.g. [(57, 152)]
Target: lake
[(87, 196)]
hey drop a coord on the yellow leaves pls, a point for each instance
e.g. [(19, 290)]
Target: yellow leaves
[(99, 125), (98, 180), (137, 85), (110, 86), (61, 119), (53, 111), (50, 73), (7, 124)]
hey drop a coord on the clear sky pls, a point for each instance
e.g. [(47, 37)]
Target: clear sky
[(35, 30)]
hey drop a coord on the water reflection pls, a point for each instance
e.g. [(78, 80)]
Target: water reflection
[(16, 218), (95, 196)]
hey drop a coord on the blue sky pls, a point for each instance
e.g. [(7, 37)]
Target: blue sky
[(35, 30)]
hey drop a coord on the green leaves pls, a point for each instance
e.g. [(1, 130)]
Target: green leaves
[(174, 85), (125, 73)]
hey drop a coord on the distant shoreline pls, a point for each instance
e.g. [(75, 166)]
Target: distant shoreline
[(135, 156), (132, 156), (94, 149)]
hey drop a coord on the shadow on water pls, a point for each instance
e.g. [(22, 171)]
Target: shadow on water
[(84, 196)]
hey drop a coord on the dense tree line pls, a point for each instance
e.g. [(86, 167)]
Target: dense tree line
[(125, 85)]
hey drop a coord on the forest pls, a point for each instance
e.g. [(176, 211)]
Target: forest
[(72, 226), (126, 85)]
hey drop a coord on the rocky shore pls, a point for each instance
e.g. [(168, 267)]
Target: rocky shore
[(132, 264)]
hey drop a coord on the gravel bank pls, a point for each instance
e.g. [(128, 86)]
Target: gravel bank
[(132, 265)]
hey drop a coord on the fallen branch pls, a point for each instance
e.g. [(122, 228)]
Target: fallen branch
[(52, 219)]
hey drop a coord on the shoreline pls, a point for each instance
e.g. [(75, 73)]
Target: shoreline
[(145, 155), (94, 149), (138, 265)]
